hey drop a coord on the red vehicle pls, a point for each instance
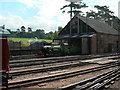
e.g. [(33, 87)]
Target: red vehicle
[(4, 57)]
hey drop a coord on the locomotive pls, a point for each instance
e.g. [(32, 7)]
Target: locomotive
[(4, 57), (57, 48)]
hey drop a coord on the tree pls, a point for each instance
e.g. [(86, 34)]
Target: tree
[(49, 35), (116, 23), (55, 35), (18, 30), (92, 14), (39, 33), (76, 6), (23, 29), (29, 29), (60, 28), (103, 14)]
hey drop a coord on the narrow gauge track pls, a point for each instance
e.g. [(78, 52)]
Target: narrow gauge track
[(39, 61), (23, 71), (24, 57), (18, 57), (94, 83), (51, 68), (44, 69), (63, 57), (33, 81)]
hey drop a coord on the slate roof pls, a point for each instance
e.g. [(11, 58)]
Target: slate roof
[(99, 26)]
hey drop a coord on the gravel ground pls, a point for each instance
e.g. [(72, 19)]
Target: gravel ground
[(64, 82), (115, 86)]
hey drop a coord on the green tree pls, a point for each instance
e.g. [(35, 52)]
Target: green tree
[(22, 28), (74, 8), (29, 29), (60, 28), (116, 23), (39, 33), (49, 35), (103, 13), (18, 30), (55, 35)]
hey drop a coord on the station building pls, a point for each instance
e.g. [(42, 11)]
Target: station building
[(90, 36)]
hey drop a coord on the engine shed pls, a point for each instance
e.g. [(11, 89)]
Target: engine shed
[(90, 36)]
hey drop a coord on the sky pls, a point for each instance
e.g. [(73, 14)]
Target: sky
[(42, 14), (119, 10)]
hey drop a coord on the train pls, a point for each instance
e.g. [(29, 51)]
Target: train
[(4, 57), (57, 48)]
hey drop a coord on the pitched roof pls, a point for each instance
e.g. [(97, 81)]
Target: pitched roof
[(99, 26)]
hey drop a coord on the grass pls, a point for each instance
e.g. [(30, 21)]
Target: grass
[(27, 41)]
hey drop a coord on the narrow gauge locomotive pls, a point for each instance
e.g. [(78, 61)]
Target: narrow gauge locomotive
[(56, 48), (4, 57)]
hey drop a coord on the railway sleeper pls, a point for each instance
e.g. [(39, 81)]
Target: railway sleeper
[(52, 77), (105, 83), (89, 80), (47, 69), (98, 80)]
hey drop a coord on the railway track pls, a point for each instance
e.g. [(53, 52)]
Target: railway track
[(44, 69), (60, 66), (41, 79), (23, 58), (51, 68), (38, 61), (96, 82), (41, 61)]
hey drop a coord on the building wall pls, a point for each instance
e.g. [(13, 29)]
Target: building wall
[(97, 44), (106, 43), (93, 45)]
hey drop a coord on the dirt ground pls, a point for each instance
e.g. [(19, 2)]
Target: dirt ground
[(115, 86)]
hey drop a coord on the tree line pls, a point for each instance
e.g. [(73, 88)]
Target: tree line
[(38, 33)]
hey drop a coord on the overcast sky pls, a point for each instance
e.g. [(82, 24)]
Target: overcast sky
[(43, 14)]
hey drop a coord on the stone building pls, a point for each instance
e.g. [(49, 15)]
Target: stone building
[(89, 36)]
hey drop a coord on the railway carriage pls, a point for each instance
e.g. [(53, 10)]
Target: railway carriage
[(4, 57)]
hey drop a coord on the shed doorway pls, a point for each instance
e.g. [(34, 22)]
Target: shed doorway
[(86, 45)]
